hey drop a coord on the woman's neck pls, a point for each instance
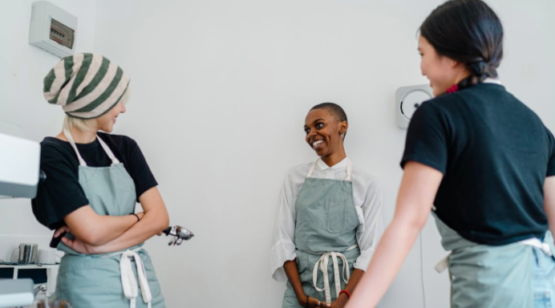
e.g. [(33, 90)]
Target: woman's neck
[(462, 75), (79, 136), (334, 158)]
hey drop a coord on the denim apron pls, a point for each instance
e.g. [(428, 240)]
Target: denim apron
[(495, 276), (325, 237), (107, 280)]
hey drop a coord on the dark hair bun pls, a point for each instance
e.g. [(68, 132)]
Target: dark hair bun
[(478, 68)]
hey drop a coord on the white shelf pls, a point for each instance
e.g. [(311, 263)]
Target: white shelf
[(50, 269)]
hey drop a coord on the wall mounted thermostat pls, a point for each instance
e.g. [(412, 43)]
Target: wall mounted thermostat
[(407, 100), (52, 29)]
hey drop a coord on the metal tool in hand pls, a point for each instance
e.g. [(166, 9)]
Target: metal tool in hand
[(179, 233)]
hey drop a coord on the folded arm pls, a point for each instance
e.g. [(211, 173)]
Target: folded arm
[(93, 229), (153, 222)]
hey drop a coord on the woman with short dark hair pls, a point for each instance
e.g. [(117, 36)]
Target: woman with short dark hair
[(328, 221)]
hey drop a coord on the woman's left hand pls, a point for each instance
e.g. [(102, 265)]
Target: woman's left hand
[(81, 247)]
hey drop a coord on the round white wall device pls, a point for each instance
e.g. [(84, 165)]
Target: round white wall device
[(407, 100)]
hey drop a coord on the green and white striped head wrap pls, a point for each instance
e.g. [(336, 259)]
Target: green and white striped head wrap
[(86, 85)]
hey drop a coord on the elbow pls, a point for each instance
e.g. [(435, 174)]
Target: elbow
[(90, 237), (96, 242), (92, 234), (414, 222), (418, 223)]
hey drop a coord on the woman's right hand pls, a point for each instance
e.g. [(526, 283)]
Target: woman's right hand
[(61, 230), (292, 272), (312, 302)]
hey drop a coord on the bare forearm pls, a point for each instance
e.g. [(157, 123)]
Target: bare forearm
[(552, 230), (112, 227), (386, 262), (350, 287), (549, 202), (96, 229), (416, 194), (292, 272), (151, 224)]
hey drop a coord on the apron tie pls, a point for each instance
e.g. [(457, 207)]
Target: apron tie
[(129, 282), (322, 263), (533, 242)]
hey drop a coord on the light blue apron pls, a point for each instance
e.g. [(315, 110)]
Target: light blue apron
[(325, 228), (493, 276), (108, 280)]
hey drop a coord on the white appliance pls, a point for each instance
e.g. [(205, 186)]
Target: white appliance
[(19, 177), (16, 293), (19, 167)]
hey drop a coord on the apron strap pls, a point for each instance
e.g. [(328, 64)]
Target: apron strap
[(70, 139), (443, 264), (323, 264), (109, 152), (536, 243), (312, 168), (349, 169), (82, 162), (492, 80), (129, 282)]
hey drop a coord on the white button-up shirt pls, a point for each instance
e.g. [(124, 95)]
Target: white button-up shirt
[(366, 196)]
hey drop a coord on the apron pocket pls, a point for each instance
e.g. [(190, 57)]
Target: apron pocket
[(90, 282), (336, 209)]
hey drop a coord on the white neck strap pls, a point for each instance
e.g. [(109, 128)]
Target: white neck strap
[(492, 80), (349, 169), (102, 143)]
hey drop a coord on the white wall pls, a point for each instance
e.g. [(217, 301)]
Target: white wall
[(220, 91), (22, 69)]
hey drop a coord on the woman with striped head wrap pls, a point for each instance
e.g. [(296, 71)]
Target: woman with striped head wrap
[(94, 180)]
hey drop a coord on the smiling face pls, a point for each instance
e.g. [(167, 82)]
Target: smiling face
[(442, 71), (324, 132)]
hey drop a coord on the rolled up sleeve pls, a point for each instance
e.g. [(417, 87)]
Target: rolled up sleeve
[(283, 247), (370, 232)]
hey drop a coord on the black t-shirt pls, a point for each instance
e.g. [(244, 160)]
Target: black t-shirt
[(495, 154), (60, 194)]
